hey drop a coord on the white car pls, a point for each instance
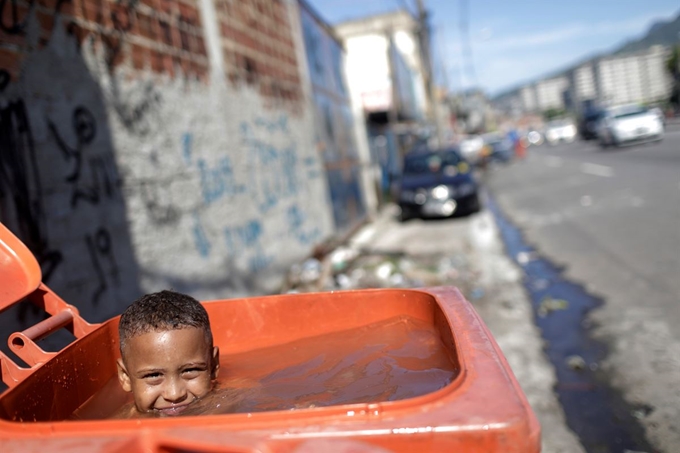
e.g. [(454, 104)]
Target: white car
[(471, 148), (620, 125), (560, 131)]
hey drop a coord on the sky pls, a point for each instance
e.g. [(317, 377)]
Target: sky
[(513, 41)]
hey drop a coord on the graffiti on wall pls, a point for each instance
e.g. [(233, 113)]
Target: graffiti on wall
[(103, 179), (273, 179), (56, 164), (65, 190), (20, 185)]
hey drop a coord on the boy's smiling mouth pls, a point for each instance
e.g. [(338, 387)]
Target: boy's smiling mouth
[(172, 410)]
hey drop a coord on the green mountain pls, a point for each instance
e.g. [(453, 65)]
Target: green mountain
[(666, 33)]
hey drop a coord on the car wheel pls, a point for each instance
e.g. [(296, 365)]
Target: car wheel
[(475, 206), (404, 215)]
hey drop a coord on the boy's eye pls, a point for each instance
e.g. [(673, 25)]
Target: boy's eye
[(151, 376), (192, 372)]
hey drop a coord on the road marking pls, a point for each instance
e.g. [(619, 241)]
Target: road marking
[(597, 170), (637, 202), (553, 161)]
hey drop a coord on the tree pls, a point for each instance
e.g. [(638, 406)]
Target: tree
[(673, 67), (554, 113)]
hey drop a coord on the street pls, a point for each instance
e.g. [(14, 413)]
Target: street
[(612, 219)]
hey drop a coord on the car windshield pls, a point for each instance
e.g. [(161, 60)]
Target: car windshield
[(630, 112), (559, 123), (430, 162)]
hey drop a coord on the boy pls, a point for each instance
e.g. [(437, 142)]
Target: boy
[(168, 360)]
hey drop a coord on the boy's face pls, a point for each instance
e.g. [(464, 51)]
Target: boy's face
[(168, 370)]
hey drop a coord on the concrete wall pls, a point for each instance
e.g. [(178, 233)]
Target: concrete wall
[(157, 144), (634, 78)]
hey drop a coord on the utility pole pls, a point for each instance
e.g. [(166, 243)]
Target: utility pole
[(426, 56)]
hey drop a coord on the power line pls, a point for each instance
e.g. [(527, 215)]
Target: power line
[(469, 62), (441, 54), (407, 7)]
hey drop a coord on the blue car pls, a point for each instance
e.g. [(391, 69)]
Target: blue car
[(437, 183), (501, 150)]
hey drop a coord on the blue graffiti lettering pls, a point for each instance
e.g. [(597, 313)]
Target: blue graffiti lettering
[(201, 241), (310, 164), (278, 124), (259, 262), (219, 181), (274, 170), (241, 238), (246, 240), (296, 226), (187, 141)]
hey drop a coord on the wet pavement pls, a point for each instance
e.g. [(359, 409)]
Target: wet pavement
[(594, 410)]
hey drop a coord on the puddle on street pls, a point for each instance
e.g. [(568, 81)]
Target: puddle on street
[(399, 358), (594, 410)]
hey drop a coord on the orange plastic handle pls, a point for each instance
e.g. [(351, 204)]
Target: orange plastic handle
[(20, 272), (20, 279)]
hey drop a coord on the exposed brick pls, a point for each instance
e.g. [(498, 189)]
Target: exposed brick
[(75, 30), (185, 64), (92, 11), (227, 31), (185, 40), (122, 17), (50, 4), (166, 6), (46, 22), (165, 31), (140, 56), (10, 61), (8, 21), (156, 61), (168, 64), (145, 26), (188, 14), (115, 49), (199, 69), (200, 46), (68, 7)]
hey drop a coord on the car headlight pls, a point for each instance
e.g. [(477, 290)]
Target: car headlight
[(420, 197), (440, 192), (407, 195), (623, 127)]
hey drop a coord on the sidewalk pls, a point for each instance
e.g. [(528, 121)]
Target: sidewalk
[(467, 253)]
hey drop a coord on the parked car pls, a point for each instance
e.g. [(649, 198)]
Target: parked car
[(589, 123), (661, 115), (437, 183), (471, 148), (497, 149), (629, 123), (562, 130)]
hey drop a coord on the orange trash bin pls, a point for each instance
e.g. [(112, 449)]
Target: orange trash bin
[(481, 408)]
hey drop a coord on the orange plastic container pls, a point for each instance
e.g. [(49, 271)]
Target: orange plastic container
[(482, 409)]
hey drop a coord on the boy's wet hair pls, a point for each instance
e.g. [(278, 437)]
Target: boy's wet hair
[(164, 310)]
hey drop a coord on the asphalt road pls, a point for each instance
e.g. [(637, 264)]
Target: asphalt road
[(612, 217)]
